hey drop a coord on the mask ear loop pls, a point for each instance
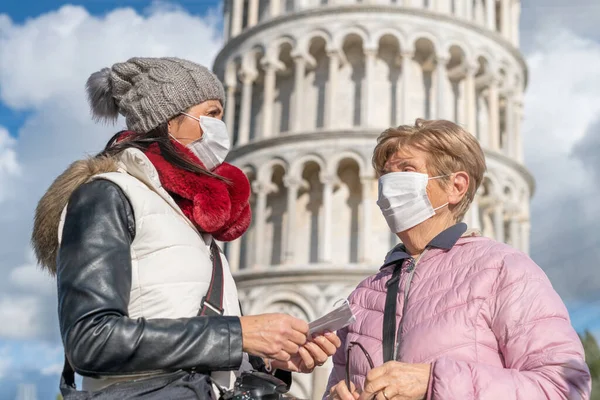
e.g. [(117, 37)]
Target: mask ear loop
[(340, 301), (437, 177), (194, 140)]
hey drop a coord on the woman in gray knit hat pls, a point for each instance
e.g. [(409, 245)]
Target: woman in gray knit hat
[(130, 234)]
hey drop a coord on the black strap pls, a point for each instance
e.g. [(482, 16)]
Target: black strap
[(212, 302), (68, 375), (389, 313), (211, 305)]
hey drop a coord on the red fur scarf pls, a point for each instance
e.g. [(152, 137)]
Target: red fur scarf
[(219, 208)]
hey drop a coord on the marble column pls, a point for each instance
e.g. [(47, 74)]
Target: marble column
[(368, 103), (525, 232), (275, 8), (292, 184), (299, 74), (518, 119), (510, 145), (407, 56), (248, 78), (494, 114), (270, 68), (230, 111), (252, 13), (365, 235), (262, 190), (227, 6), (234, 253), (515, 240), (499, 222), (236, 20), (441, 86), (506, 18), (331, 91), (468, 9), (516, 16), (327, 220), (471, 99), (490, 13), (474, 222)]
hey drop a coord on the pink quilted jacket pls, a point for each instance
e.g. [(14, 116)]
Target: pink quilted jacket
[(483, 314)]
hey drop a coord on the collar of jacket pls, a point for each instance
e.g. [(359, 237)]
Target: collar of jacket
[(48, 212), (444, 240)]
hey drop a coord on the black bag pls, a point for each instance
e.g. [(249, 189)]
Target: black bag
[(184, 385), (177, 385)]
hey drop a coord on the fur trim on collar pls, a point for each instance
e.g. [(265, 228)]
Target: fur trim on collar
[(44, 238)]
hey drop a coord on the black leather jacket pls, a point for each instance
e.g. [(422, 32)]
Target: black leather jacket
[(94, 283)]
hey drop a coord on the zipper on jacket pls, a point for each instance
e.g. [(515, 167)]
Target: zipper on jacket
[(410, 269)]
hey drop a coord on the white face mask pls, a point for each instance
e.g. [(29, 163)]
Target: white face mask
[(335, 320), (403, 199), (214, 145)]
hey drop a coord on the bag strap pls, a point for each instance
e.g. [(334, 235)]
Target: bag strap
[(212, 302), (389, 313), (211, 305)]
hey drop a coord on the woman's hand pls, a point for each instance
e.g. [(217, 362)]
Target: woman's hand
[(397, 381), (313, 353), (341, 392), (273, 336)]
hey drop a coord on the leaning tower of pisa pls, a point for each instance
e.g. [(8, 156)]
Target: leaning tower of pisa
[(310, 85)]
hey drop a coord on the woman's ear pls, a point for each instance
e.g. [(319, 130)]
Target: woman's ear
[(459, 184)]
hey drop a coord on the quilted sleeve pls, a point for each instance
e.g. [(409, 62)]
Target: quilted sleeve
[(338, 373), (542, 353)]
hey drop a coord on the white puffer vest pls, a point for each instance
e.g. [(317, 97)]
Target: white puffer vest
[(170, 259)]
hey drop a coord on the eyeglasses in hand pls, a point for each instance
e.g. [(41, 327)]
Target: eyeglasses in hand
[(360, 346)]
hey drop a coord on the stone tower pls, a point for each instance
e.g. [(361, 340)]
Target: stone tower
[(310, 85)]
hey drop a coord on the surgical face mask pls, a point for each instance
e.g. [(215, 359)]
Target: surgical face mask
[(336, 319), (403, 199), (212, 148)]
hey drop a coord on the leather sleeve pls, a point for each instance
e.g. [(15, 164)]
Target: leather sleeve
[(94, 284)]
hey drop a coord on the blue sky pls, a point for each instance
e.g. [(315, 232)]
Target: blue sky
[(47, 50)]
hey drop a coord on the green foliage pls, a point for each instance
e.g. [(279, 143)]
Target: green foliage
[(592, 357)]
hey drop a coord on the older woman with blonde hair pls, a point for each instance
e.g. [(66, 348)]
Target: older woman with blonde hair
[(451, 314)]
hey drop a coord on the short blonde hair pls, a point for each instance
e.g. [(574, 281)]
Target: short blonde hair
[(449, 148)]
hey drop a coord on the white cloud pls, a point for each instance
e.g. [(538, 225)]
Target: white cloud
[(9, 166), (5, 361), (29, 277), (44, 64), (561, 105), (50, 56), (54, 369), (580, 16), (20, 315)]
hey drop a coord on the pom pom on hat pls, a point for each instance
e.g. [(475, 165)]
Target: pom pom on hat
[(150, 91), (99, 90)]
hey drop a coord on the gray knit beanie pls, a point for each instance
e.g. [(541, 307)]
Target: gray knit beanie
[(150, 91)]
